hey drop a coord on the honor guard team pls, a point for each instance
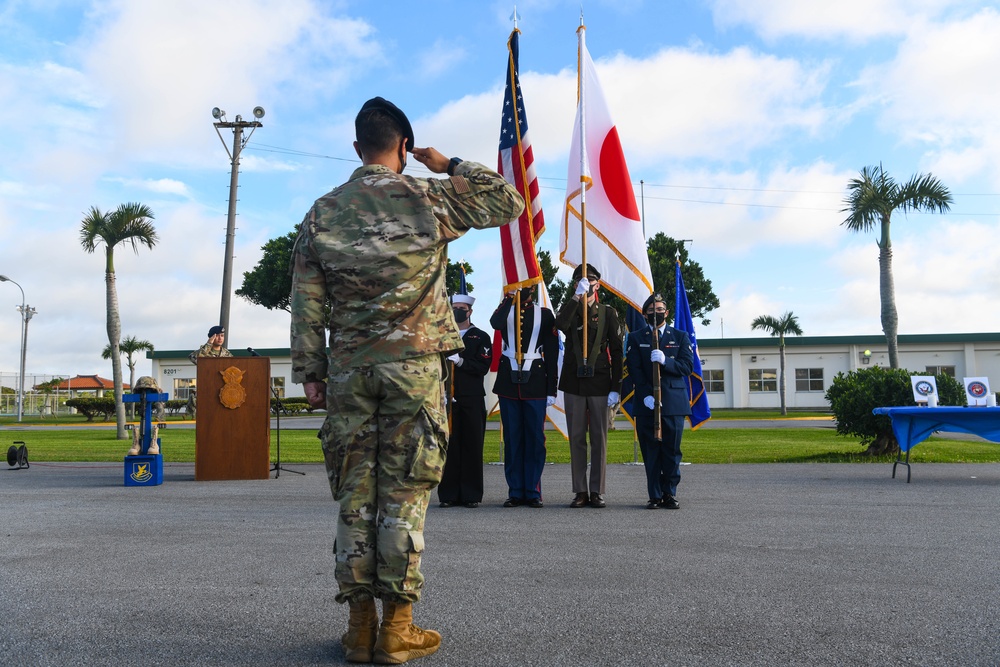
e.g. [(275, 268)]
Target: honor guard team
[(402, 368)]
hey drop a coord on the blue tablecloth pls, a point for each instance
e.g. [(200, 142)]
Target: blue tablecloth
[(912, 425)]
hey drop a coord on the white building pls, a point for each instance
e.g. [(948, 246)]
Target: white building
[(738, 372)]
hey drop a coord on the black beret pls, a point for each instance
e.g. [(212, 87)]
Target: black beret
[(653, 298), (216, 330), (591, 271), (388, 107)]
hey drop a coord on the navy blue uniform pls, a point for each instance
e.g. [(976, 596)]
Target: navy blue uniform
[(462, 481), (662, 458)]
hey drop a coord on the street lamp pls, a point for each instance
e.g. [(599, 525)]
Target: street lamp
[(239, 142), (26, 314)]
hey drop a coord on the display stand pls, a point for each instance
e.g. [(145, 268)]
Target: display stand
[(144, 469)]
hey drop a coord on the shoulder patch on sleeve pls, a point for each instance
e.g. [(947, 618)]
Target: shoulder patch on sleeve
[(460, 184)]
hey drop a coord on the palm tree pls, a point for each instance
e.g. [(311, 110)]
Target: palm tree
[(132, 223), (129, 346), (787, 324), (871, 199)]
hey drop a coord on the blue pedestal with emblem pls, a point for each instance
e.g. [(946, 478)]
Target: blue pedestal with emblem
[(145, 469)]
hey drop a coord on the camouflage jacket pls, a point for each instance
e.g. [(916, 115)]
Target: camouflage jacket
[(376, 247), (207, 351)]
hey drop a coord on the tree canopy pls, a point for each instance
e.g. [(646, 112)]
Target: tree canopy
[(453, 277), (662, 251), (269, 283)]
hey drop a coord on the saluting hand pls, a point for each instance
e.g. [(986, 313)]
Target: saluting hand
[(431, 158)]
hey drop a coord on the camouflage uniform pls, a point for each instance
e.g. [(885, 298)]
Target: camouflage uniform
[(207, 350), (376, 248)]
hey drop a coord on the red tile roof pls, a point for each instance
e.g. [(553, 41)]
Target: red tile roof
[(88, 383)]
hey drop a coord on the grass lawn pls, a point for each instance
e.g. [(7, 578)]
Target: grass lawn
[(786, 445)]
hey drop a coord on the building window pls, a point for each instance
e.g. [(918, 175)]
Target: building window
[(182, 388), (278, 387), (715, 381), (763, 379), (938, 370), (808, 379)]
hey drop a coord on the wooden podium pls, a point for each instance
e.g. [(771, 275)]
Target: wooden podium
[(233, 429)]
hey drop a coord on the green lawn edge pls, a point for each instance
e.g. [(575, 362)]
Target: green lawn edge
[(704, 446)]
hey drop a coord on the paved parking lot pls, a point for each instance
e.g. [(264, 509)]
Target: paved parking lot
[(798, 564)]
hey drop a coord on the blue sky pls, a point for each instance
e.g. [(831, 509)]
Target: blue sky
[(744, 119)]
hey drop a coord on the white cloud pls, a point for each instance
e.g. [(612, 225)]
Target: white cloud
[(857, 20), (161, 84), (442, 56), (682, 103), (707, 106), (735, 212), (167, 186)]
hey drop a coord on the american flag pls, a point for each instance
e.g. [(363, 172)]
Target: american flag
[(517, 165)]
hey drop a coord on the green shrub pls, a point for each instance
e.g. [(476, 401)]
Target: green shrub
[(292, 406), (853, 396), (91, 407)]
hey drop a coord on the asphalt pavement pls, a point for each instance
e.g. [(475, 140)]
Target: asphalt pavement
[(789, 564)]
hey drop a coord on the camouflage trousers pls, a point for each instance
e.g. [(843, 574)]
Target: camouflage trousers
[(384, 442)]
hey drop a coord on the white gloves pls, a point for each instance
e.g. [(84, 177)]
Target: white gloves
[(582, 287), (649, 402), (613, 398), (550, 401), (657, 356), (455, 359)]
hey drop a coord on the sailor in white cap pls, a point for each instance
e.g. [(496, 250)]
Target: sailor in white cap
[(462, 483)]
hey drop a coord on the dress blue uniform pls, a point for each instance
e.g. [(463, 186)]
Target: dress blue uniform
[(522, 405), (662, 458)]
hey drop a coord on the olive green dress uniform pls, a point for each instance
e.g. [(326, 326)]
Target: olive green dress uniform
[(376, 248), (586, 398)]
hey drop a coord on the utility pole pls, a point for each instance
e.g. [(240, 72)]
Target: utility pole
[(26, 313), (239, 142)]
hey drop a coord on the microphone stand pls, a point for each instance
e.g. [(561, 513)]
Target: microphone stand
[(277, 467)]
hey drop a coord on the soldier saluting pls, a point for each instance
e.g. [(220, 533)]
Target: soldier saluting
[(376, 249)]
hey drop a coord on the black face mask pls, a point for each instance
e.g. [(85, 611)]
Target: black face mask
[(460, 314), (656, 319)]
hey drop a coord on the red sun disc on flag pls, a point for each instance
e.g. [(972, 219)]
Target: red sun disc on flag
[(614, 177)]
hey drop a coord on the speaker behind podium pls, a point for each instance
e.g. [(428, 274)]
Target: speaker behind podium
[(233, 429)]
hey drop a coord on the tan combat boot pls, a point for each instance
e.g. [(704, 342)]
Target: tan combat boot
[(359, 640), (399, 640), (154, 446), (136, 445)]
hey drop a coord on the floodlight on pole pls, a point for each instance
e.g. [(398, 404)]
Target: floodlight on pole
[(26, 313), (239, 142)]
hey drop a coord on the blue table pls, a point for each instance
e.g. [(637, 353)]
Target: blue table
[(912, 425)]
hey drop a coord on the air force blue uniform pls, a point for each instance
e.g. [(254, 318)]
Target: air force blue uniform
[(662, 458)]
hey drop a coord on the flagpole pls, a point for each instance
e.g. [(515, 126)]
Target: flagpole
[(642, 200), (581, 45), (518, 352)]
